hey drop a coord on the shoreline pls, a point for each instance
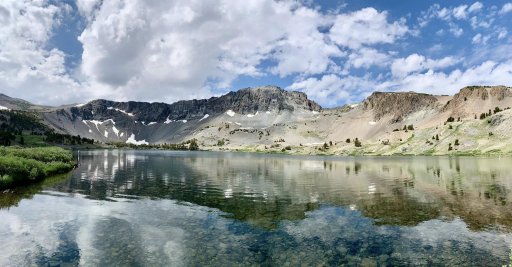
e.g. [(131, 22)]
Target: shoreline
[(304, 153)]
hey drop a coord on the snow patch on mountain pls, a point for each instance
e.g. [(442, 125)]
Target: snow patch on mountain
[(167, 121), (122, 111), (204, 117), (116, 131), (132, 140), (230, 113)]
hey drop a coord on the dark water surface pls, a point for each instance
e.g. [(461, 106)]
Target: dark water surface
[(154, 208)]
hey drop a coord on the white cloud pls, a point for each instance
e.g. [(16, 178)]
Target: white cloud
[(506, 8), (25, 64), (182, 49), (304, 50), (415, 62), (176, 47), (481, 39), (366, 27), (475, 7), (456, 30), (367, 57), (88, 7), (487, 73), (460, 12), (453, 14), (331, 89), (502, 33), (477, 38), (480, 22)]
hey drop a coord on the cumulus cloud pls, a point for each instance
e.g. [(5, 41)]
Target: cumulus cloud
[(25, 63), (183, 49), (367, 57), (174, 47), (366, 27), (332, 89), (415, 62), (487, 73), (506, 8)]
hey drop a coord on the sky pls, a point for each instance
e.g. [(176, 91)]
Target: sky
[(56, 52)]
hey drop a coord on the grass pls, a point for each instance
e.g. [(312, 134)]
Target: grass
[(20, 166), (33, 140)]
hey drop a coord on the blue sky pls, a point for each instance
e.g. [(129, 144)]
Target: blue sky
[(55, 52)]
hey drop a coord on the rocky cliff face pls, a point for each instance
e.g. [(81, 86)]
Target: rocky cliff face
[(244, 101), (398, 104), (109, 121)]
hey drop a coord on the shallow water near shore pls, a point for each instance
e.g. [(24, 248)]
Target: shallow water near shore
[(147, 208)]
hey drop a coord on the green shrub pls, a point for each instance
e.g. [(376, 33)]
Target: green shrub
[(43, 154), (193, 145), (20, 165), (357, 143)]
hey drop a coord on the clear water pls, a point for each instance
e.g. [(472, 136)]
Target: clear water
[(154, 208)]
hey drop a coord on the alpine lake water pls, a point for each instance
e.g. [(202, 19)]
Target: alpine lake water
[(167, 208)]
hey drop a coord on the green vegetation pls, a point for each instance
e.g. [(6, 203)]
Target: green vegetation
[(187, 145), (25, 129), (22, 165), (221, 142), (193, 145), (357, 143)]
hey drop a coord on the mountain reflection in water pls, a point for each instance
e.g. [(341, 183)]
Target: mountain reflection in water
[(182, 208)]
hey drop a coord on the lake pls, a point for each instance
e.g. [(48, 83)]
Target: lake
[(166, 208)]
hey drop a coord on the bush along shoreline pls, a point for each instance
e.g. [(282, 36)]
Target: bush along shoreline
[(20, 166)]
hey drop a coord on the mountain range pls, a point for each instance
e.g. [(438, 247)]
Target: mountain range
[(476, 120)]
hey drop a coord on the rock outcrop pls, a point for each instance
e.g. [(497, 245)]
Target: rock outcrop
[(474, 100), (398, 104)]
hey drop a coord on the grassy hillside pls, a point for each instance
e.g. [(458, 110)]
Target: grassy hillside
[(25, 165), (490, 135)]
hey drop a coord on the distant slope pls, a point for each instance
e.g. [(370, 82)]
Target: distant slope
[(7, 102)]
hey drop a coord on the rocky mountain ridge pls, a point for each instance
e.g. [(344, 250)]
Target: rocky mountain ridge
[(272, 118)]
